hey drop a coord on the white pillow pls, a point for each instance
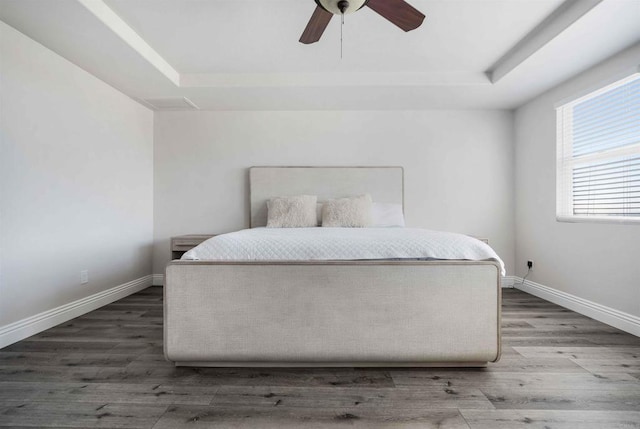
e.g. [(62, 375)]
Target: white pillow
[(387, 214), (319, 214), (353, 212), (292, 212)]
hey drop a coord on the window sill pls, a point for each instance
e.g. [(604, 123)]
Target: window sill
[(594, 219)]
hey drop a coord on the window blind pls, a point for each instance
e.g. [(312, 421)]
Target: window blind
[(599, 153), (610, 188)]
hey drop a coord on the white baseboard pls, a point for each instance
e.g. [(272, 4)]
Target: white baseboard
[(29, 326), (618, 319), (508, 281), (158, 279)]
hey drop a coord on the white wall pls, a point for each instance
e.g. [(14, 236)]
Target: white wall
[(76, 181), (597, 262), (458, 166)]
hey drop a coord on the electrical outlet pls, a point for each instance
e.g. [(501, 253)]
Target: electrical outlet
[(84, 277), (530, 265)]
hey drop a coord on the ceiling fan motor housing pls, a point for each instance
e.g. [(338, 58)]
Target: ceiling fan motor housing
[(335, 6)]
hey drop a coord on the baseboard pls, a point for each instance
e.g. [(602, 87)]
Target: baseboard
[(29, 326), (618, 319), (158, 279), (508, 281)]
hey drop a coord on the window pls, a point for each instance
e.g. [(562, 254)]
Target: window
[(598, 162)]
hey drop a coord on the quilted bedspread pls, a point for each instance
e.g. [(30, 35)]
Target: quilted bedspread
[(260, 244)]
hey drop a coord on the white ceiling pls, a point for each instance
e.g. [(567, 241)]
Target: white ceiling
[(245, 54), (257, 36)]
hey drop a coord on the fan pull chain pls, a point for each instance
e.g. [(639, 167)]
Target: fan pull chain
[(341, 27), (343, 5)]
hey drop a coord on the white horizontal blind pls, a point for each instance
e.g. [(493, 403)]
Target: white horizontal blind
[(599, 153)]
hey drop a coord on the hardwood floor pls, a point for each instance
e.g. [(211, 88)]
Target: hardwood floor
[(106, 370)]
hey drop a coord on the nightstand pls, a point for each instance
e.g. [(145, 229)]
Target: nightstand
[(183, 243), (484, 240)]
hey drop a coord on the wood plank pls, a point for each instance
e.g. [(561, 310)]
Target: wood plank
[(398, 398), (169, 374), (111, 334), (580, 352), (103, 393), (277, 417), (93, 374), (29, 373), (525, 365), (599, 366), (336, 377), (508, 351), (133, 306), (105, 323), (106, 314), (569, 324), (520, 324), (569, 399), (546, 419), (65, 359), (586, 332), (138, 348), (29, 345), (80, 415), (534, 314), (585, 341), (516, 381)]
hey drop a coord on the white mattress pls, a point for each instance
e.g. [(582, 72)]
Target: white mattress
[(268, 244)]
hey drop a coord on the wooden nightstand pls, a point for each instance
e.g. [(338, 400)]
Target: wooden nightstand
[(183, 243), (484, 240)]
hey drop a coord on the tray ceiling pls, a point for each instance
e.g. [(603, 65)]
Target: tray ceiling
[(244, 54)]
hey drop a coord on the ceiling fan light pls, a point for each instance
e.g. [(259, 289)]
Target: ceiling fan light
[(332, 6)]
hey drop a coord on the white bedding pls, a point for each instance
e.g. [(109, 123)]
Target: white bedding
[(341, 244)]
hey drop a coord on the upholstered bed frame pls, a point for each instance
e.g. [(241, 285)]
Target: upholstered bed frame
[(331, 313)]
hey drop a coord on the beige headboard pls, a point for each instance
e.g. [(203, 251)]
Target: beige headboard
[(385, 184)]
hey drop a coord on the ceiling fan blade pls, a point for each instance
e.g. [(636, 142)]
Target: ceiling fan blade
[(398, 12), (318, 22)]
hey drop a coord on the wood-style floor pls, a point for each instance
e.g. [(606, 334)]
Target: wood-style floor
[(106, 370)]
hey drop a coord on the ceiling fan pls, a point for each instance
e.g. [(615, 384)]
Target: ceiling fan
[(398, 12)]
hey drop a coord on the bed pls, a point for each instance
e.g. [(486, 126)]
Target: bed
[(382, 312)]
